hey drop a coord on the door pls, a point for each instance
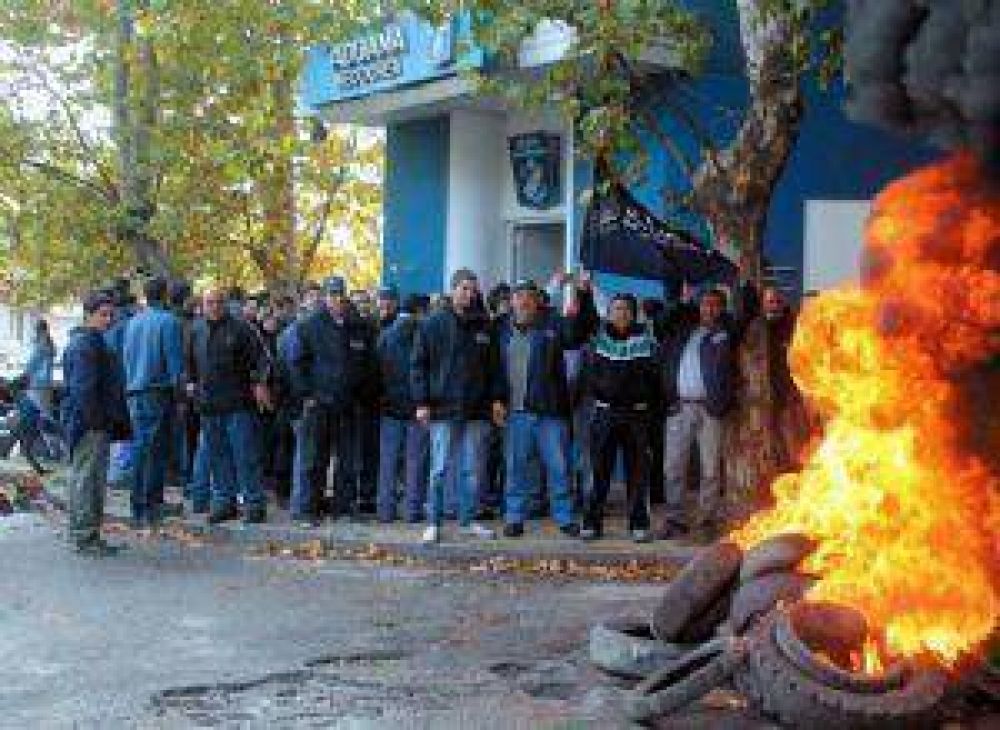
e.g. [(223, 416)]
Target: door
[(538, 251)]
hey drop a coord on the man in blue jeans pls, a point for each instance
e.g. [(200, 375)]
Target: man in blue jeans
[(456, 387), (399, 430), (229, 369), (153, 358), (533, 344)]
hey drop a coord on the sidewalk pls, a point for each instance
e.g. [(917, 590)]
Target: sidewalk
[(542, 541)]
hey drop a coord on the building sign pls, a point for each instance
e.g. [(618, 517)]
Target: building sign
[(537, 161), (368, 60), (403, 52)]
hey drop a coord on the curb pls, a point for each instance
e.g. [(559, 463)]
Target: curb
[(566, 550), (459, 553)]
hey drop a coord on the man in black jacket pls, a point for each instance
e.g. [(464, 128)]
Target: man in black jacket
[(533, 344), (456, 388), (228, 371), (94, 414), (699, 389), (332, 367), (399, 430), (619, 372)]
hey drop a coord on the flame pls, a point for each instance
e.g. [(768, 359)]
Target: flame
[(907, 519)]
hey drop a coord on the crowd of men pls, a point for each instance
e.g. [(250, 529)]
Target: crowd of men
[(523, 402)]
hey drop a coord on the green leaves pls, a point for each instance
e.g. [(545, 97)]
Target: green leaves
[(236, 190)]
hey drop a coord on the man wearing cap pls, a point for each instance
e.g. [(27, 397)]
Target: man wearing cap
[(456, 387), (387, 306), (533, 343), (332, 369)]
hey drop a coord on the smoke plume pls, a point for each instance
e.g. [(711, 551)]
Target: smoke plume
[(928, 67)]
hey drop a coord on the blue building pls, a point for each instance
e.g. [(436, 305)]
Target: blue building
[(451, 195)]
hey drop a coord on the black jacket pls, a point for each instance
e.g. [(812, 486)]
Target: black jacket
[(455, 366), (95, 391), (333, 363), (718, 368), (620, 372), (547, 391), (395, 350), (226, 359)]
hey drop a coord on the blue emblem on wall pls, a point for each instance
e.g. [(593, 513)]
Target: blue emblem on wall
[(537, 161)]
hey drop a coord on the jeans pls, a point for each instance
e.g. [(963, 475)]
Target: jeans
[(152, 415), (456, 446), (87, 482), (688, 424), (527, 434), (233, 442), (180, 457), (121, 466), (610, 432), (583, 415), (324, 432), (409, 439), (201, 475)]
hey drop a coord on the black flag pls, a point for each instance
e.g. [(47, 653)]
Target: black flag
[(621, 236)]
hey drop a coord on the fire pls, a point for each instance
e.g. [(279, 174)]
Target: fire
[(907, 518)]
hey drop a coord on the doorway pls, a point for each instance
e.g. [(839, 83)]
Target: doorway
[(538, 251)]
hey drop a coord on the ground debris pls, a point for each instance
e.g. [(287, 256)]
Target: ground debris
[(382, 555)]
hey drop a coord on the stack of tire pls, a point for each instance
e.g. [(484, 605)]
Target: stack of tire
[(735, 619)]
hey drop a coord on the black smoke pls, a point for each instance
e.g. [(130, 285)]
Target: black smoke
[(927, 67)]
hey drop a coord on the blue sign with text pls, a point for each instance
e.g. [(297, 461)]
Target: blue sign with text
[(401, 52)]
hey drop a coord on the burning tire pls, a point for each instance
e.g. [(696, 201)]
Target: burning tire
[(794, 695), (708, 576), (626, 648), (759, 597), (779, 554), (685, 680)]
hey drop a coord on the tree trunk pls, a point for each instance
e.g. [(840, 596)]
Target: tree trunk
[(733, 190), (132, 134)]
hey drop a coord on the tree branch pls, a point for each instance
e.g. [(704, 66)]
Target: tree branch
[(66, 176), (74, 122), (324, 217)]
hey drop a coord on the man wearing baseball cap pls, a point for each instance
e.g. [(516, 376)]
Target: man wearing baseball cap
[(332, 369)]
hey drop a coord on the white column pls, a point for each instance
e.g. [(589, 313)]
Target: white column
[(475, 237)]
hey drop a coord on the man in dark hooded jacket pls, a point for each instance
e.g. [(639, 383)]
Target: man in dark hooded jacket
[(94, 414)]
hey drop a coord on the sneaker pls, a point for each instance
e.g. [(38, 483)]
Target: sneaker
[(590, 533), (255, 517), (305, 523), (98, 549), (477, 530), (224, 514), (432, 535), (672, 531), (642, 536), (570, 529), (514, 529)]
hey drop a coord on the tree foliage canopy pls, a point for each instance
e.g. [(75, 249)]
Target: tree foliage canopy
[(236, 186)]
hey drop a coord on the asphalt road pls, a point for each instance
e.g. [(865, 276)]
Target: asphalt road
[(175, 635)]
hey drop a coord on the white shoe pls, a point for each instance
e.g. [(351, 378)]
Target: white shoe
[(477, 530), (432, 535)]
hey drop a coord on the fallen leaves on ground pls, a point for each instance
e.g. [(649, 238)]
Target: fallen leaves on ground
[(375, 554)]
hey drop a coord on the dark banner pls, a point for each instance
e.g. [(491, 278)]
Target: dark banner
[(621, 236)]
